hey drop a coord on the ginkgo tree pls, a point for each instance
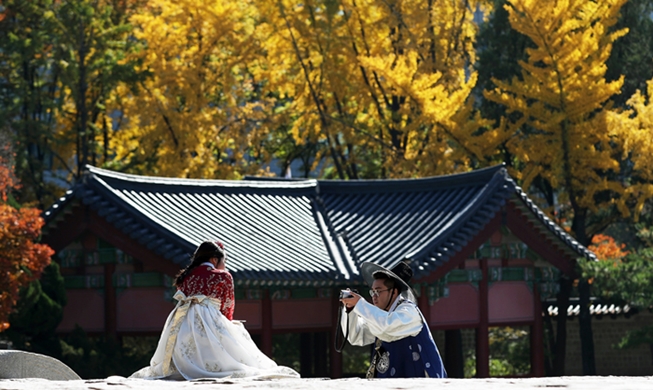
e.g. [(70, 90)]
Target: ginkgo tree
[(384, 84), (560, 102), (564, 126), (198, 114), (59, 61), (382, 88)]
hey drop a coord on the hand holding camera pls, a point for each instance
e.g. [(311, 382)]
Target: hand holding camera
[(349, 298), (346, 294)]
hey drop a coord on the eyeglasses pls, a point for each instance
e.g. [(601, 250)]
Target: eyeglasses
[(376, 293)]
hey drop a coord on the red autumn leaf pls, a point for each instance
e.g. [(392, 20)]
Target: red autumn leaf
[(22, 259), (606, 248)]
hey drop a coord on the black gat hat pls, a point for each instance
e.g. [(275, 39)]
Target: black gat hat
[(401, 273)]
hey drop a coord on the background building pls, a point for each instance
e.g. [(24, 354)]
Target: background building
[(483, 255)]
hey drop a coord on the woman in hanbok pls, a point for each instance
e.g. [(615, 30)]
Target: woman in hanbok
[(200, 339)]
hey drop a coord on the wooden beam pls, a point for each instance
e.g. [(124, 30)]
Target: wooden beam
[(67, 230), (423, 303), (537, 336), (459, 258), (483, 330), (130, 246), (83, 219), (110, 302), (523, 229), (266, 323)]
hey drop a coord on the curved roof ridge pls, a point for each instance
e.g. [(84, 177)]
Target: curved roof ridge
[(490, 197), (552, 226), (143, 179), (475, 177)]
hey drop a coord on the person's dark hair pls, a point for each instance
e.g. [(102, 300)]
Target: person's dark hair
[(388, 281), (203, 253)]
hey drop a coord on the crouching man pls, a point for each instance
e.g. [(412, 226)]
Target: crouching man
[(403, 344)]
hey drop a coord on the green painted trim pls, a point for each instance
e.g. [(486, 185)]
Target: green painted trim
[(548, 274), (253, 293), (513, 250), (74, 282), (509, 274), (457, 275), (280, 294), (303, 293), (147, 279), (70, 258), (324, 292)]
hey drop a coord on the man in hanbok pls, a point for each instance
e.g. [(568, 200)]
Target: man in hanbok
[(403, 344)]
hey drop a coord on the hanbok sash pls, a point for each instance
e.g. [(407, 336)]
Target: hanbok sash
[(183, 304)]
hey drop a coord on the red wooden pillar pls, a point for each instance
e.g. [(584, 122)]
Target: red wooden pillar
[(537, 336), (110, 303), (423, 303), (482, 332), (266, 322), (334, 356)]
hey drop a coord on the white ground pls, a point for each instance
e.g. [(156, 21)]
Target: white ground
[(120, 383)]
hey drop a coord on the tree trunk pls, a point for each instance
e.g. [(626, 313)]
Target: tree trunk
[(584, 318), (561, 327), (585, 326)]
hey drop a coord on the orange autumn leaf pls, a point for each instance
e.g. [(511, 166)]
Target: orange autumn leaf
[(606, 248), (22, 259)]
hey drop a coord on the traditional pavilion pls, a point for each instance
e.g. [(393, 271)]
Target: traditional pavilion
[(482, 253)]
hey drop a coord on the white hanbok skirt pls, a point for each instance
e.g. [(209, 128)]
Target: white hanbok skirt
[(198, 341)]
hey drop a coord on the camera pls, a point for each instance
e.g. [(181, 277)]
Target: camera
[(344, 294)]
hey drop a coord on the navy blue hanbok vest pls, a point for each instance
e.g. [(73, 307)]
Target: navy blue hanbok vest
[(410, 357)]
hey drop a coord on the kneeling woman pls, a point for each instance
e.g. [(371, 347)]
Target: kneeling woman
[(200, 338)]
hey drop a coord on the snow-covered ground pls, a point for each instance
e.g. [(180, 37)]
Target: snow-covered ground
[(120, 383)]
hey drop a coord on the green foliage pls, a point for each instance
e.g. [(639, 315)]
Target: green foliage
[(91, 44), (626, 281), (637, 337), (285, 350), (509, 353), (38, 313), (59, 63), (29, 94), (355, 360)]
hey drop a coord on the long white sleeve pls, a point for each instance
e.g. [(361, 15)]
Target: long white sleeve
[(367, 321), (358, 333)]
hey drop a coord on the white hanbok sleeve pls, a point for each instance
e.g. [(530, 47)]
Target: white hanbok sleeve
[(358, 332), (405, 320)]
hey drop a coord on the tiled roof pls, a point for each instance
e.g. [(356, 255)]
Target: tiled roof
[(269, 228), (550, 228), (425, 220), (313, 232)]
